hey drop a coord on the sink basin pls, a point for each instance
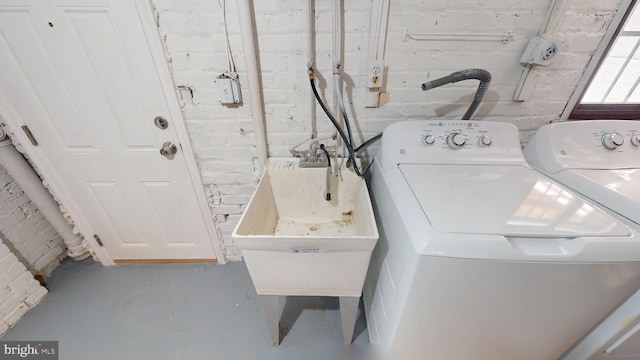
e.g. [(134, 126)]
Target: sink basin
[(294, 242)]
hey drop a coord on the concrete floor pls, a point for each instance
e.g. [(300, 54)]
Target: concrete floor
[(179, 311)]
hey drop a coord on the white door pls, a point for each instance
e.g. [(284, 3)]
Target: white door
[(82, 76)]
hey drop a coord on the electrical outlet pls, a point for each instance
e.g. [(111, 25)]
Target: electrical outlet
[(375, 73), (541, 51), (228, 89)]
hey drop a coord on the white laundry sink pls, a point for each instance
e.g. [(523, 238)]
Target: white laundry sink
[(295, 242)]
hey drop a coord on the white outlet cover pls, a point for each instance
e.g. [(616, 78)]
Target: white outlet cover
[(228, 90), (541, 51)]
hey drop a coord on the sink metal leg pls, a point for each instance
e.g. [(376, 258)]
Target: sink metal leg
[(348, 314), (270, 306)]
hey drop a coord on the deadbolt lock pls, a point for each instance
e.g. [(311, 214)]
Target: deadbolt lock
[(161, 123), (168, 150)]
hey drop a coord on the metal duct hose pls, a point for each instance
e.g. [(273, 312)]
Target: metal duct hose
[(469, 74)]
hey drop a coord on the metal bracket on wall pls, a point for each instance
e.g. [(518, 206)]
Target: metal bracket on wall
[(503, 38)]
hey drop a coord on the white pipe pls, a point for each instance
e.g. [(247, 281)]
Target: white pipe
[(245, 15), (310, 66), (337, 26), (337, 48), (20, 170)]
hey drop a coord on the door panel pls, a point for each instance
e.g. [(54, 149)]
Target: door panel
[(82, 77)]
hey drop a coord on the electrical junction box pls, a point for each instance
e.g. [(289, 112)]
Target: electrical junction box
[(541, 51), (228, 88)]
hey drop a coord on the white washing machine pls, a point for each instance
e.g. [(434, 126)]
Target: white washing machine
[(600, 160), (479, 256)]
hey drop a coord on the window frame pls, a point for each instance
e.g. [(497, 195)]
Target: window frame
[(605, 111)]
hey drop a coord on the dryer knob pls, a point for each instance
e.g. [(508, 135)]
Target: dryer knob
[(635, 139), (612, 140), (456, 140)]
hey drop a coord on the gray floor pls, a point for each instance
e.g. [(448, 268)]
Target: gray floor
[(179, 311)]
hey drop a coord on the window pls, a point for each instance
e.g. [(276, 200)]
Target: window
[(613, 92)]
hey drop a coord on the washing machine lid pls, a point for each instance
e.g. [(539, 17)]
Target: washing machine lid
[(504, 200), (618, 190)]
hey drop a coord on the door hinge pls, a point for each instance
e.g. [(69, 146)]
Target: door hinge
[(29, 134), (98, 240)]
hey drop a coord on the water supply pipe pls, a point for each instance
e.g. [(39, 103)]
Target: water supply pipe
[(20, 170), (468, 74), (310, 66), (337, 51), (247, 29)]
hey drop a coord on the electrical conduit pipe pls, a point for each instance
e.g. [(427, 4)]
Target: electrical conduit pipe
[(245, 15), (20, 170)]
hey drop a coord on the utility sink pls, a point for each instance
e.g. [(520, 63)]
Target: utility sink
[(295, 242)]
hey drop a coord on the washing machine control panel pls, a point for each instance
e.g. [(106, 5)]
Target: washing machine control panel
[(451, 142), (591, 144)]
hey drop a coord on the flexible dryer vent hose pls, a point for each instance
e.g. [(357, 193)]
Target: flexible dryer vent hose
[(468, 74)]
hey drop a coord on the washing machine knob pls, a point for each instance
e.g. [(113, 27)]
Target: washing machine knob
[(428, 140), (485, 140), (612, 140), (456, 140), (635, 139)]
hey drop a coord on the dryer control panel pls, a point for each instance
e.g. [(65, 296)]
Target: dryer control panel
[(592, 144), (450, 142)]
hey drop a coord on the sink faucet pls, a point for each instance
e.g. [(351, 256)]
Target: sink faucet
[(313, 151), (315, 159)]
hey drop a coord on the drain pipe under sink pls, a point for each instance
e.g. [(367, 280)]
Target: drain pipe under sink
[(20, 170), (245, 15)]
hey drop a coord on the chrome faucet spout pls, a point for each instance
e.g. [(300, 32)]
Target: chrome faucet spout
[(329, 179), (329, 183)]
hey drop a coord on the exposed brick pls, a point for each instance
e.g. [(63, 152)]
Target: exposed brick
[(12, 317), (236, 200), (227, 209), (36, 297), (3, 328), (35, 242), (7, 306), (19, 285)]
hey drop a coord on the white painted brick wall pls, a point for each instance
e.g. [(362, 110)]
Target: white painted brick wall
[(28, 246), (26, 232), (223, 137), (19, 291)]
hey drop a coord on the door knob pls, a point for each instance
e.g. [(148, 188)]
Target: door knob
[(168, 150)]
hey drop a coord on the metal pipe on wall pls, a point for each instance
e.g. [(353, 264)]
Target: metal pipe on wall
[(247, 29), (337, 58), (311, 65), (20, 170)]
